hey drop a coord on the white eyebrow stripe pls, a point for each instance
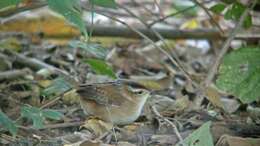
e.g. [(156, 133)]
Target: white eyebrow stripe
[(137, 90)]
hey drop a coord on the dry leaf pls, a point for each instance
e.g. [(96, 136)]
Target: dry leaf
[(214, 97), (227, 140), (159, 81), (124, 143), (99, 127), (71, 97)]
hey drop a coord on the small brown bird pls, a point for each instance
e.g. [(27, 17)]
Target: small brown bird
[(118, 102)]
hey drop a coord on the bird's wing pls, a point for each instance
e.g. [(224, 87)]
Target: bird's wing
[(107, 93)]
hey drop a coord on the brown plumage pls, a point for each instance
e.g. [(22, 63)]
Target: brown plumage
[(119, 102)]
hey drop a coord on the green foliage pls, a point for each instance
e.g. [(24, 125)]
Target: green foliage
[(57, 87), (71, 10), (93, 49), (52, 114), (218, 8), (228, 1), (232, 11), (239, 74), (38, 115), (237, 10), (228, 14), (200, 137), (8, 124), (104, 3), (6, 3), (100, 67), (247, 22)]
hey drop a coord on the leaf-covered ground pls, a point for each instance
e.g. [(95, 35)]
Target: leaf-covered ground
[(41, 66)]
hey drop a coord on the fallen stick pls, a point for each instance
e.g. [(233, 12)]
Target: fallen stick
[(34, 63), (13, 74)]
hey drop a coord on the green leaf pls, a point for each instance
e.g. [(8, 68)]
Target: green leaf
[(93, 49), (237, 10), (7, 123), (218, 8), (71, 10), (104, 3), (34, 114), (247, 22), (57, 87), (37, 121), (38, 115), (228, 14), (200, 137), (52, 114), (100, 67), (228, 1), (239, 74), (6, 3)]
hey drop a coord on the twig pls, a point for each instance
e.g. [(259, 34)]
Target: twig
[(51, 102), (150, 11), (210, 16), (34, 63), (171, 15), (158, 6), (13, 74), (169, 122), (174, 60), (169, 33), (54, 126)]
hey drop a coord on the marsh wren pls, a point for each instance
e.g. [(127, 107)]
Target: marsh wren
[(118, 102)]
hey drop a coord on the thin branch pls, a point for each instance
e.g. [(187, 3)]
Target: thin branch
[(13, 74), (51, 102), (158, 6), (171, 15), (33, 62), (54, 126), (169, 122), (210, 16), (150, 11), (174, 60)]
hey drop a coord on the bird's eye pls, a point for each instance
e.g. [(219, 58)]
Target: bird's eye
[(139, 92)]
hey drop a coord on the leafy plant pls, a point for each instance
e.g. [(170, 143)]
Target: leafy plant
[(93, 49), (70, 9), (38, 115), (101, 67), (239, 74), (7, 3), (8, 124), (232, 11)]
